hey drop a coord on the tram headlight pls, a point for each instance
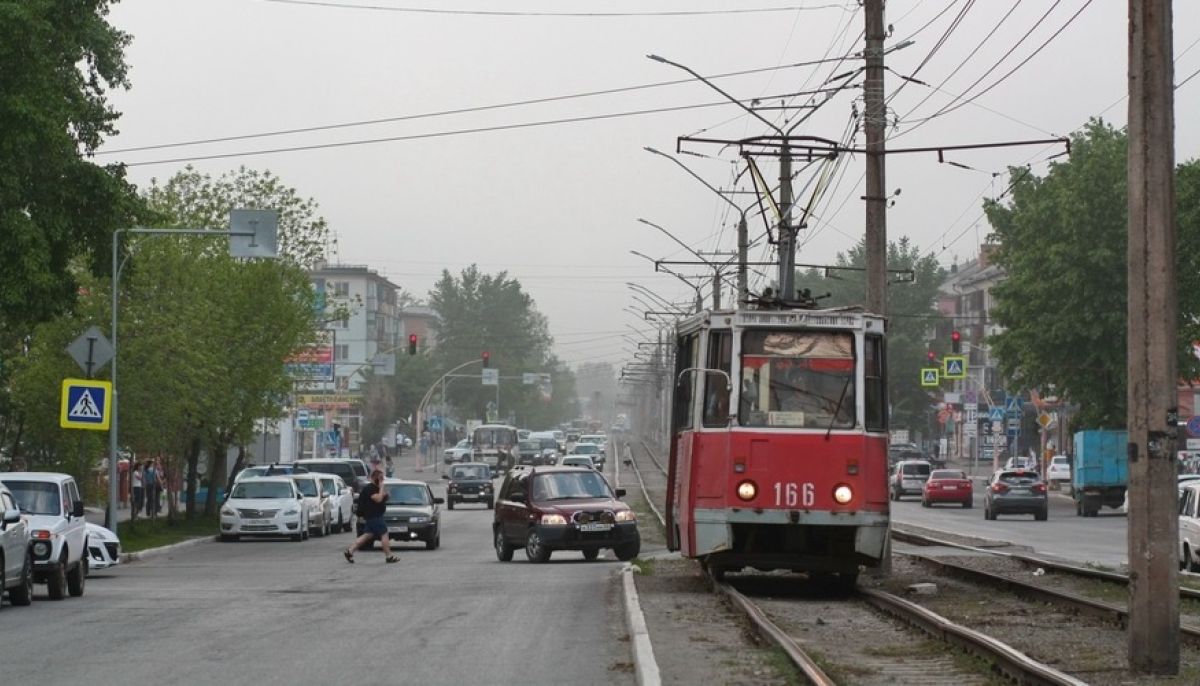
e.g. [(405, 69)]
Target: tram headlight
[(842, 494), (746, 490)]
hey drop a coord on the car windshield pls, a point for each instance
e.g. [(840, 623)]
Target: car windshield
[(250, 472), (947, 474), (470, 472), (577, 461), (797, 379), (1019, 478), (360, 468), (342, 469), (916, 469), (549, 444), (586, 449), (36, 497), (464, 443), (307, 487), (1059, 460), (267, 489), (328, 487), (570, 485), (407, 494), (529, 445)]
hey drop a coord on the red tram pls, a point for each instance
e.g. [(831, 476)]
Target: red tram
[(779, 441)]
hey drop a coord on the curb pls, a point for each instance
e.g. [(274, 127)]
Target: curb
[(645, 667), (149, 553)]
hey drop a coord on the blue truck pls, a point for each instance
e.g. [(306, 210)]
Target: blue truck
[(1099, 470)]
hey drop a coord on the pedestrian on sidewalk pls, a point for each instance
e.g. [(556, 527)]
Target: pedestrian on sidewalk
[(372, 504), (138, 495), (150, 481)]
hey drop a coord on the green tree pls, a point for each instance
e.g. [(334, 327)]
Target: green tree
[(912, 313), (57, 62), (1062, 243)]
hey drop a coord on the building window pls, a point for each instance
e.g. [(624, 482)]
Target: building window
[(341, 289), (341, 352)]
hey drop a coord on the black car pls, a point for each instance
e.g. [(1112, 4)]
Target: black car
[(353, 472), (529, 452), (544, 509), (470, 482), (1016, 491), (412, 512)]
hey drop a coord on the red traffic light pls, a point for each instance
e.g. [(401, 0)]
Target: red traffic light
[(955, 340), (931, 355), (412, 344), (487, 359)]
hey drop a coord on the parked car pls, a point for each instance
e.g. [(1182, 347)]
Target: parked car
[(577, 461), (320, 509), (353, 472), (276, 469), (412, 512), (461, 452), (470, 482), (948, 486), (1021, 462), (16, 557), (265, 506), (53, 510), (1189, 525), (1016, 491), (341, 501), (104, 548), (908, 478), (543, 509), (1059, 471)]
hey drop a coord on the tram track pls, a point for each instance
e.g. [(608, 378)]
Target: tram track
[(779, 611)]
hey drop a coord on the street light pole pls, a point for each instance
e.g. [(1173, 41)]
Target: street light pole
[(659, 268)]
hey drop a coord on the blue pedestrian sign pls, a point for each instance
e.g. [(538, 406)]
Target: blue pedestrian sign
[(86, 404), (954, 367), (1193, 426), (996, 414), (1013, 405)]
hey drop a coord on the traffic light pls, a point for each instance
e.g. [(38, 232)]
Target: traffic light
[(487, 359), (412, 344), (956, 341), (932, 356)]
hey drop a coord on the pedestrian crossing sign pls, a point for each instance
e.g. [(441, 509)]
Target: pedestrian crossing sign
[(954, 367), (929, 377), (86, 404)]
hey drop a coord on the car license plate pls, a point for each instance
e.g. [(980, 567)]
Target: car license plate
[(595, 526), (470, 496), (258, 521), (1020, 491), (912, 483), (950, 488), (398, 529)]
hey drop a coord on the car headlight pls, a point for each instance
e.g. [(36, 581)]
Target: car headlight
[(418, 520), (291, 511), (626, 516), (554, 520), (41, 549), (226, 512), (746, 490), (843, 494)]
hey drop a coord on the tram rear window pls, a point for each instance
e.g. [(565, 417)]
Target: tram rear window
[(797, 379)]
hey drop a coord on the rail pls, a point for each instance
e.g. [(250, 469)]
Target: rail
[(645, 491), (650, 454)]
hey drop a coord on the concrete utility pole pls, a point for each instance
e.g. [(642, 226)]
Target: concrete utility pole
[(787, 235), (1152, 411), (743, 256), (874, 125)]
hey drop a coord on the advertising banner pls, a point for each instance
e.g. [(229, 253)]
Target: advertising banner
[(314, 363)]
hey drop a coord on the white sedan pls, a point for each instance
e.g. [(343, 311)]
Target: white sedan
[(104, 548), (341, 500), (265, 506), (461, 452)]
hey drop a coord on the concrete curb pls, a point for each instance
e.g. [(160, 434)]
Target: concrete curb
[(149, 553), (645, 667)]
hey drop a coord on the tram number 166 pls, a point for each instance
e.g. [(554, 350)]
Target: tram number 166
[(792, 494)]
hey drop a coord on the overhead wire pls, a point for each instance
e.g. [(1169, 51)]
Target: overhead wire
[(536, 13)]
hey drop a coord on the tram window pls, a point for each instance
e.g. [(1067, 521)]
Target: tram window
[(716, 386), (685, 358), (797, 379), (875, 391)]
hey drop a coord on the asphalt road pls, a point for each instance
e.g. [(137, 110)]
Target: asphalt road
[(296, 613), (1064, 535)]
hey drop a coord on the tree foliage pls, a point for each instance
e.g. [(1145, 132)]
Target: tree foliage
[(911, 313), (1062, 241), (57, 62)]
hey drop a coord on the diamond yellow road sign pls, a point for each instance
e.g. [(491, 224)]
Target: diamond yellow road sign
[(86, 404)]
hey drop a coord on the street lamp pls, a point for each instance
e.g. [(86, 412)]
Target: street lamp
[(252, 233), (659, 268)]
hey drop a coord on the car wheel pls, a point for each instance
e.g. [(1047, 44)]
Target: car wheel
[(23, 595), (1043, 515), (56, 583), (229, 538), (591, 554), (1185, 558), (297, 537), (449, 503), (968, 504), (433, 543), (328, 528), (987, 512), (535, 550), (1192, 566), (924, 502), (347, 525), (627, 551), (77, 577), (504, 551)]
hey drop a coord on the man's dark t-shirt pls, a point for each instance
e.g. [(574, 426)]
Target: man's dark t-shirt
[(368, 508)]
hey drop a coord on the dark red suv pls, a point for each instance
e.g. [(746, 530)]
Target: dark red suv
[(543, 509)]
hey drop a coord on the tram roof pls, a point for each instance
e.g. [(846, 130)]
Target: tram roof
[(851, 318)]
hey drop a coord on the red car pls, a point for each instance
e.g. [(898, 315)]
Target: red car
[(948, 486)]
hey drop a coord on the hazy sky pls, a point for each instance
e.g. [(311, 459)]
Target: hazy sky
[(557, 205)]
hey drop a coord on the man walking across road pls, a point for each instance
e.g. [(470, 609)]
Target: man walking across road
[(372, 504)]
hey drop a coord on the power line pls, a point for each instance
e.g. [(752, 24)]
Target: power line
[(533, 13), (461, 110)]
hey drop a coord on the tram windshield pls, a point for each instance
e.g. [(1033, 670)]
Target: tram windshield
[(797, 379)]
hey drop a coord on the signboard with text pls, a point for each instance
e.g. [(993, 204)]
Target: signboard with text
[(314, 363)]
